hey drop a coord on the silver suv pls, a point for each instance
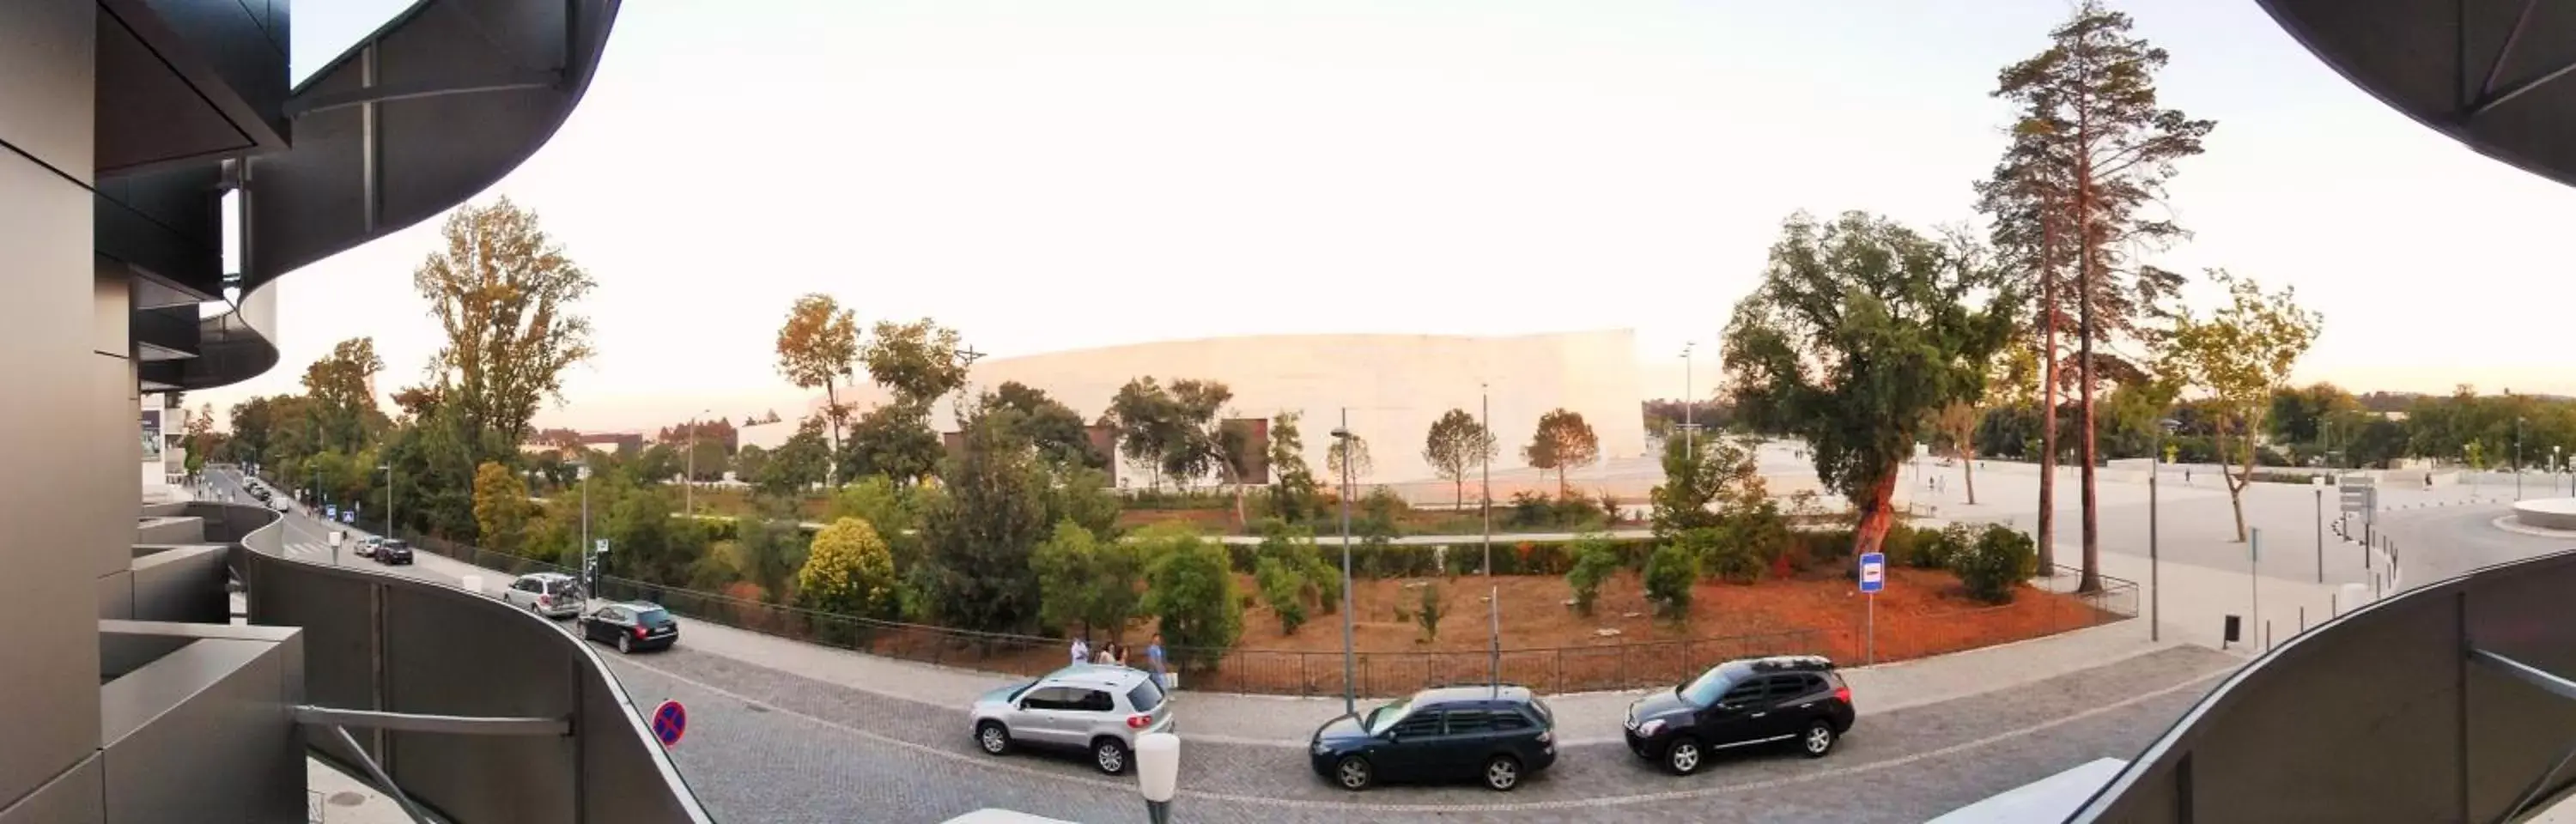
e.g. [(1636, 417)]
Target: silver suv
[(550, 594), (1091, 708)]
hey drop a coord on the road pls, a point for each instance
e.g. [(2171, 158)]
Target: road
[(769, 746)]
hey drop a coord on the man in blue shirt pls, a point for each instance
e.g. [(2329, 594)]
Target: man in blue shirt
[(1154, 657)]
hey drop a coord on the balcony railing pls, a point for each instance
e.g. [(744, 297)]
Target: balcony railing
[(2449, 702), (451, 701)]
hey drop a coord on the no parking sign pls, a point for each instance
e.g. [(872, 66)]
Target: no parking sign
[(670, 720)]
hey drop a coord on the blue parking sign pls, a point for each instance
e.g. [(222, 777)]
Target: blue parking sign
[(1873, 572), (331, 512)]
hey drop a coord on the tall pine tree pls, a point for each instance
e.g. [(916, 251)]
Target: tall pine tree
[(2089, 109)]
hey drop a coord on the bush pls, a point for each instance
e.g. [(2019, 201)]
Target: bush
[(1670, 573), (1428, 616), (1280, 586), (1191, 591), (1594, 560), (1727, 558), (849, 571), (2000, 559)]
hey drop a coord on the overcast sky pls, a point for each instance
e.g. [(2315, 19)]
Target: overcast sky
[(1048, 175)]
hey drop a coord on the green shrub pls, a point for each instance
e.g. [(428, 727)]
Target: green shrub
[(1670, 573), (1189, 589), (1726, 557), (2000, 558), (1428, 616), (1280, 586), (1594, 560), (1900, 545), (1324, 581)]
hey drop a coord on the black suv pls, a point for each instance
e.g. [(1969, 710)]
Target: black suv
[(392, 551), (1494, 735), (1749, 701)]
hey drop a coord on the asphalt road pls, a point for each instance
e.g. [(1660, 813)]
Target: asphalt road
[(768, 746)]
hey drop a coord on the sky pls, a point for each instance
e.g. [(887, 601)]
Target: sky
[(1044, 175)]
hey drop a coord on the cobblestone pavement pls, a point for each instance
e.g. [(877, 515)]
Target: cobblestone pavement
[(771, 747)]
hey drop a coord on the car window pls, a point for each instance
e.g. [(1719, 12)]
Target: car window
[(1044, 698), (1385, 718), (1705, 689), (656, 617), (1146, 696), (1420, 723), (1469, 722), (612, 614), (1747, 691), (1789, 686), (1510, 721), (1093, 701)]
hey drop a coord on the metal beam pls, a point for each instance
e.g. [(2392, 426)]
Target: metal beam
[(2535, 676), (2488, 103), (311, 103), (2495, 68), (413, 722), (383, 782)]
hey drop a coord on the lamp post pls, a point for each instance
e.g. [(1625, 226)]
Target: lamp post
[(2517, 458), (1158, 773), (582, 469), (1690, 429), (2155, 468), (1493, 591), (388, 469), (1350, 659), (689, 476)]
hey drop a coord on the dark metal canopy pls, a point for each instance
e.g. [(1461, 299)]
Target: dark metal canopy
[(2492, 74)]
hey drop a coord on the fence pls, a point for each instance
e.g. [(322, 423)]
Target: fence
[(1606, 666)]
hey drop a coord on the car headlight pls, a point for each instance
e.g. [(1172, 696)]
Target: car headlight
[(1651, 727)]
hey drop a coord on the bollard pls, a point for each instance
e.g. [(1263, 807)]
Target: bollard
[(2267, 635)]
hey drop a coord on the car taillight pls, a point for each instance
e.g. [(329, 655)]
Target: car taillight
[(545, 600), (1842, 694), (639, 632), (1138, 722), (1545, 736)]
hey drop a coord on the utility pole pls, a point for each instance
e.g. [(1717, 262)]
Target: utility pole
[(1493, 591), (1350, 660), (1690, 403), (689, 477)]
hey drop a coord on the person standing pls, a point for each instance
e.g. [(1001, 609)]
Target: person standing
[(1081, 652), (1154, 659)]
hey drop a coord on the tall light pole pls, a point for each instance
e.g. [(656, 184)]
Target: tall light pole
[(1690, 402), (1350, 659), (2155, 468), (388, 467), (2517, 458), (1493, 591)]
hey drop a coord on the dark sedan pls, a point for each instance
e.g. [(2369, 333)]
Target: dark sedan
[(1495, 736), (632, 626), (1741, 703), (391, 551)]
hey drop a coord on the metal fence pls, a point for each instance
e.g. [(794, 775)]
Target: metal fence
[(1604, 666)]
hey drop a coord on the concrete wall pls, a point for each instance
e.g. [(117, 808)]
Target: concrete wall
[(65, 360), (1394, 385)]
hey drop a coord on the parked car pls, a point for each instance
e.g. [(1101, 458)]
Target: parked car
[(632, 625), (1094, 708), (1740, 703), (392, 551), (551, 594), (1497, 736), (366, 547)]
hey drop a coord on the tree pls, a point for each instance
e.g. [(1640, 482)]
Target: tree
[(656, 464), (748, 463), (201, 437), (1348, 460), (2091, 120), (252, 419), (1562, 441), (1859, 330), (893, 440), (1200, 440), (2241, 355), (1055, 428), (1293, 496), (1456, 443), (801, 462), (818, 348), (847, 571), (1148, 422), (1085, 581), (977, 537), (341, 385), (919, 362), (504, 294), (2005, 374), (1190, 591), (500, 507)]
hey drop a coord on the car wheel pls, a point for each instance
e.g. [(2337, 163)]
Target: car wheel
[(1819, 739), (1502, 773), (1683, 756), (1110, 756), (991, 736), (1353, 773), (625, 644)]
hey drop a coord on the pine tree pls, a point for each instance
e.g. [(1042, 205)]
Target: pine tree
[(2090, 111)]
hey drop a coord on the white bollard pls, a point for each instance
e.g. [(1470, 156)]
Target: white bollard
[(471, 583)]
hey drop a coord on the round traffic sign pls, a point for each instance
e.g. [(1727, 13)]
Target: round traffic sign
[(669, 721)]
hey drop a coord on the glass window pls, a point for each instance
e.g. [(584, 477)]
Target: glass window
[(1379, 720), (1145, 697), (1705, 689), (1466, 722), (1092, 701), (1746, 691), (655, 617), (1049, 698), (1420, 723), (1792, 686), (1510, 721)]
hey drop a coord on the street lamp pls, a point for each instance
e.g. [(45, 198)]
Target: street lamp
[(388, 468), (2517, 458), (1350, 659), (689, 477), (1690, 430), (2155, 468)]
